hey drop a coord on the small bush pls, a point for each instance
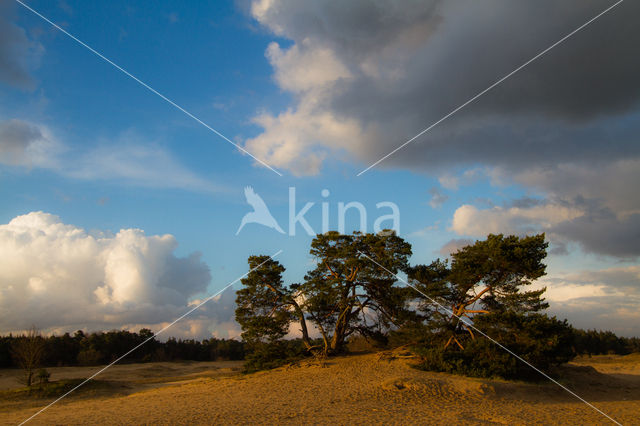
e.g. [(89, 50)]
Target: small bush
[(266, 356), (478, 359), (43, 376)]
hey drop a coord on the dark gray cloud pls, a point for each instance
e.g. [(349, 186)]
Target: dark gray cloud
[(603, 233), (15, 138), (17, 52), (23, 144), (525, 202), (595, 228), (352, 29), (410, 63), (619, 278), (562, 126), (605, 192), (438, 198)]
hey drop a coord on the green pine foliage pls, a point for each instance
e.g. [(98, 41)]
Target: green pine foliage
[(343, 295), (480, 298), (460, 309), (541, 340)]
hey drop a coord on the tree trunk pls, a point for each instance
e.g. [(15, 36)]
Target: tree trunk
[(303, 324), (337, 341)]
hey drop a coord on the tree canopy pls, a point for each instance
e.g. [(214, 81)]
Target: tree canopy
[(353, 289), (486, 277), (345, 293)]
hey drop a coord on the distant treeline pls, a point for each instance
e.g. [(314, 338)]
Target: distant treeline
[(103, 347), (594, 342)]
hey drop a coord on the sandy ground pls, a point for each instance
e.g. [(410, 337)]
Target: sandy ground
[(360, 389), (134, 375)]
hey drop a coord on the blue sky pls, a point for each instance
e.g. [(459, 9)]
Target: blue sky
[(318, 92)]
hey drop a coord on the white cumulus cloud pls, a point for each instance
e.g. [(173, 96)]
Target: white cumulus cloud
[(300, 69), (469, 220), (59, 277)]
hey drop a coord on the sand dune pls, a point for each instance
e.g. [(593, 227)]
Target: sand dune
[(359, 389)]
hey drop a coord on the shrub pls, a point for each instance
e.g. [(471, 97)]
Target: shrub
[(43, 376), (541, 340), (265, 356)]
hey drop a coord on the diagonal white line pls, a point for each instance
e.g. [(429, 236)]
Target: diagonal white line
[(492, 86), (464, 320), (145, 85), (156, 334)]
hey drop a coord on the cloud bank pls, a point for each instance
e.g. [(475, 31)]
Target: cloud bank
[(368, 75), (604, 299), (390, 69), (18, 53), (596, 228), (61, 278)]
